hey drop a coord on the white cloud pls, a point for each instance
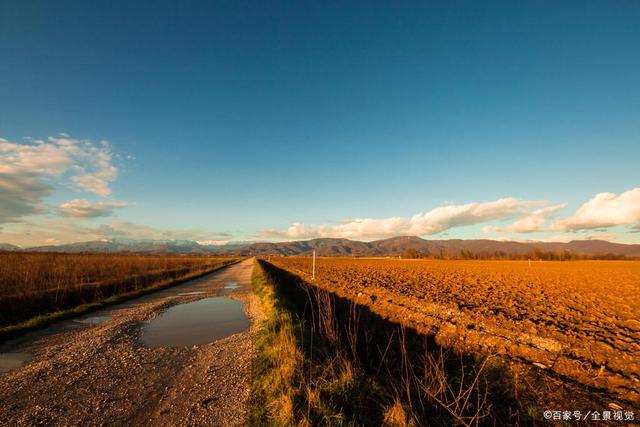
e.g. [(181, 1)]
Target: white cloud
[(30, 171), (93, 168), (486, 229), (433, 222), (21, 195), (531, 222), (51, 231), (81, 208), (39, 158), (130, 230), (602, 211), (446, 217), (213, 242), (66, 230), (367, 228), (92, 183)]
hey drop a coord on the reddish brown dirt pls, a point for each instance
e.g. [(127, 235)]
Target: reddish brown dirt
[(576, 320)]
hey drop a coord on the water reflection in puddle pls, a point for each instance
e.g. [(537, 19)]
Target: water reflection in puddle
[(11, 361), (194, 323), (231, 285), (93, 320)]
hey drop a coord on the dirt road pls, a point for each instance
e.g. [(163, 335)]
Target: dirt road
[(105, 372)]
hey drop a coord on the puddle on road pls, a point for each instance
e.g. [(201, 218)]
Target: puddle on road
[(93, 320), (194, 323), (231, 285), (11, 361)]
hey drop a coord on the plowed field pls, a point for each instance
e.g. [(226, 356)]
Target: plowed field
[(578, 320)]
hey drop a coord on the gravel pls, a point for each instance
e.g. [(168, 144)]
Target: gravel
[(83, 374)]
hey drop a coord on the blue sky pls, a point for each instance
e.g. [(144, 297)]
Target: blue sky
[(235, 120)]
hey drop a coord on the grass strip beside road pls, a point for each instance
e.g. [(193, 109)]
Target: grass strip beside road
[(301, 379)]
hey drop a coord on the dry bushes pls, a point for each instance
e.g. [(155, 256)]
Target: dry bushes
[(25, 273), (33, 284)]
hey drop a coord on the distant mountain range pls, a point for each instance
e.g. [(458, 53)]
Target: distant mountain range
[(133, 246), (344, 247), (416, 245), (9, 247)]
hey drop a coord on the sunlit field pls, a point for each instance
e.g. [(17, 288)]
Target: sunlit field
[(576, 320)]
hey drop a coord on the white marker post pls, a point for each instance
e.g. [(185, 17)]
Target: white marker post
[(313, 274)]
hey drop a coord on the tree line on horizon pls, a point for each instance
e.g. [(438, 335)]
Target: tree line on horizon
[(535, 255)]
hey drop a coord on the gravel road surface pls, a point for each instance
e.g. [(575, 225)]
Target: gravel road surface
[(102, 373)]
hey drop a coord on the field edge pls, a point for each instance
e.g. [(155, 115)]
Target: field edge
[(40, 321)]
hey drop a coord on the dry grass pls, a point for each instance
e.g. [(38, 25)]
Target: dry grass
[(24, 273), (320, 362), (301, 379), (396, 416), (276, 363), (37, 284)]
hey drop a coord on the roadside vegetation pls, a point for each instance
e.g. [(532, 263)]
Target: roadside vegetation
[(327, 354), (313, 366), (36, 288), (534, 255), (27, 273), (300, 380)]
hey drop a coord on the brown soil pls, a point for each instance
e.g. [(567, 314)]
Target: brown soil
[(576, 321)]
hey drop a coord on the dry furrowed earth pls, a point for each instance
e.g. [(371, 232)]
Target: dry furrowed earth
[(578, 320)]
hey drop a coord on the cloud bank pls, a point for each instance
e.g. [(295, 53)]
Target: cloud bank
[(435, 221), (81, 208), (30, 171), (530, 223), (68, 230), (604, 210)]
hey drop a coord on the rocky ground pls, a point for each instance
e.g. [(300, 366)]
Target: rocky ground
[(83, 374)]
